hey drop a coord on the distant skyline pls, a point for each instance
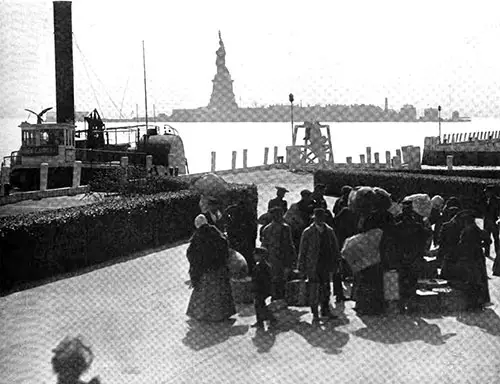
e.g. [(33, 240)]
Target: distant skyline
[(424, 53)]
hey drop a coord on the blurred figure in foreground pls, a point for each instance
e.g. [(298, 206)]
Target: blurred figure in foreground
[(72, 358)]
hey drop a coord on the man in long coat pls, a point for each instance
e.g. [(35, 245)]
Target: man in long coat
[(318, 258), (277, 238)]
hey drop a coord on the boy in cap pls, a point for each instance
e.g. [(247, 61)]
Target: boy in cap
[(318, 258), (279, 201), (262, 287)]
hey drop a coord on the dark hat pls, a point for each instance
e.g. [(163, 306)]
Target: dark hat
[(305, 192), (282, 189), (346, 189), (319, 186), (319, 212), (260, 251)]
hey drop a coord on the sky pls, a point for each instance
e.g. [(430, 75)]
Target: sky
[(425, 53)]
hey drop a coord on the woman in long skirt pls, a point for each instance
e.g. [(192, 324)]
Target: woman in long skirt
[(212, 298)]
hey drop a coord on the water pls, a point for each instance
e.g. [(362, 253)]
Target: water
[(348, 139)]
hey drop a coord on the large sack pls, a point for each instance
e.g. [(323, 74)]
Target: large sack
[(362, 199), (362, 251), (211, 184), (421, 204), (237, 264), (382, 199)]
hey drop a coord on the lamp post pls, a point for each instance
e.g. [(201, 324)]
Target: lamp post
[(439, 121), (290, 97)]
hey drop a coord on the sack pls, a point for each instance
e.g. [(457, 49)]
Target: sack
[(362, 251), (211, 185), (297, 293), (391, 285), (237, 264), (421, 204)]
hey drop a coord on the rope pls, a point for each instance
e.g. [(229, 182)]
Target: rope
[(100, 81)]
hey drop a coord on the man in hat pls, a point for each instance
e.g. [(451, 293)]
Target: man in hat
[(212, 212), (318, 258), (491, 212), (277, 238), (317, 197), (343, 200), (278, 201)]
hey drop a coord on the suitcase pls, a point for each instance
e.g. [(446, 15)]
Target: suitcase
[(297, 293), (451, 300), (391, 285)]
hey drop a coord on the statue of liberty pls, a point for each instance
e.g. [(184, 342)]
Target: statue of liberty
[(220, 60)]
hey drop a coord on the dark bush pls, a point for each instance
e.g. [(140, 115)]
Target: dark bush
[(400, 184), (42, 244)]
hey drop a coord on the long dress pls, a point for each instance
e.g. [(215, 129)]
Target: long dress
[(211, 299), (472, 265)]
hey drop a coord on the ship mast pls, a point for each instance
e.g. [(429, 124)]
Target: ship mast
[(145, 89)]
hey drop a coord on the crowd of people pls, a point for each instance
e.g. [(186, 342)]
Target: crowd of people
[(306, 240)]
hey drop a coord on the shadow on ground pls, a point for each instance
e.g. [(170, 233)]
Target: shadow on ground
[(201, 335), (400, 329), (487, 320)]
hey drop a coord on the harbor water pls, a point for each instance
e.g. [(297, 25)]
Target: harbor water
[(348, 139)]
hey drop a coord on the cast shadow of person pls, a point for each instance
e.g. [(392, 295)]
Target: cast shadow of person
[(400, 329), (487, 320), (324, 335), (264, 339), (201, 335)]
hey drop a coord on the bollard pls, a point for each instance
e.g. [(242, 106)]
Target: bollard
[(212, 167), (397, 162), (449, 162), (149, 163), (77, 173), (362, 159), (44, 176), (233, 162), (388, 158), (369, 155), (398, 154), (124, 162), (245, 157), (266, 155), (377, 157), (275, 155), (348, 161)]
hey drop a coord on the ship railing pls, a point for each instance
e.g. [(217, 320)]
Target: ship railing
[(13, 159), (92, 156)]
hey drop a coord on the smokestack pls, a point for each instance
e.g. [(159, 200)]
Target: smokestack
[(63, 38)]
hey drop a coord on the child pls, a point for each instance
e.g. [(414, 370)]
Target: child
[(262, 283)]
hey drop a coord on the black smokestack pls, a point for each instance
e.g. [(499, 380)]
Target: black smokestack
[(63, 39)]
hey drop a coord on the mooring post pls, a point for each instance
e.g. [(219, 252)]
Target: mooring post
[(362, 159), (149, 163), (245, 158), (376, 156), (44, 176), (275, 155), (77, 172), (388, 158), (348, 161), (397, 162), (449, 162), (212, 168), (368, 155), (266, 155), (233, 161)]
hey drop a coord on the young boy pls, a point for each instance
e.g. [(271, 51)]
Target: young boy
[(262, 283)]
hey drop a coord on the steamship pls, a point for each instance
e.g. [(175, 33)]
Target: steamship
[(59, 144)]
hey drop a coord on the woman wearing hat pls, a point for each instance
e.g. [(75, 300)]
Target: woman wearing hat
[(279, 201), (207, 253)]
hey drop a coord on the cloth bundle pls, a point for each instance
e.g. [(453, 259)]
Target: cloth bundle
[(421, 204), (237, 264), (362, 251)]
